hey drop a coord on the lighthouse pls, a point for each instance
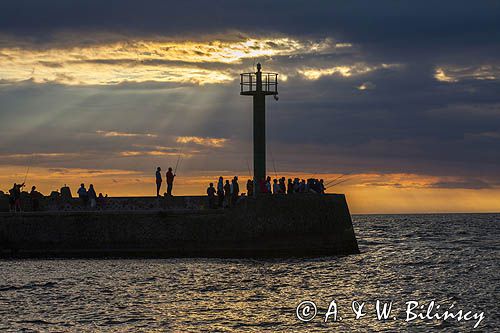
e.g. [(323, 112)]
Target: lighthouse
[(259, 85)]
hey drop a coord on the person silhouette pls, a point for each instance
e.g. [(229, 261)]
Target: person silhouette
[(211, 195), (220, 191), (92, 196), (83, 195), (158, 181), (235, 190), (170, 181)]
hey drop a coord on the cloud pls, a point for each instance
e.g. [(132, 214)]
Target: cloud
[(367, 86), (453, 74), (343, 71), (161, 60), (474, 184), (208, 142), (126, 135)]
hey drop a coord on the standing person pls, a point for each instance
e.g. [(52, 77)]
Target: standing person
[(290, 186), (250, 188), (15, 193), (268, 185), (276, 187), (158, 181), (211, 196), (235, 190), (12, 200), (100, 202), (220, 191), (82, 194), (92, 196), (17, 196), (321, 186), (170, 181), (227, 193), (296, 185), (302, 186), (282, 185), (262, 186), (34, 195)]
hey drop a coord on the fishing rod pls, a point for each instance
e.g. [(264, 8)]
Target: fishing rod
[(248, 166), (274, 166), (28, 169), (179, 158), (328, 183), (342, 181)]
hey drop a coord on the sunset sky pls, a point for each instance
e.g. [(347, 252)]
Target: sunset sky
[(404, 96)]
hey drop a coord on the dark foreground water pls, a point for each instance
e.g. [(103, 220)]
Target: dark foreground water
[(452, 259)]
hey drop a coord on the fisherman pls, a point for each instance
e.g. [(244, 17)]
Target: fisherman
[(12, 200), (321, 186), (92, 196), (227, 193), (83, 195), (15, 194), (170, 181), (35, 202), (220, 192), (211, 196), (250, 188), (235, 190), (158, 181)]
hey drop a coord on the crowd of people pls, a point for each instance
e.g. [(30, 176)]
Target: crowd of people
[(227, 193), (90, 199)]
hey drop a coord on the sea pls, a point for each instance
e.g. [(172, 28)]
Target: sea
[(412, 271)]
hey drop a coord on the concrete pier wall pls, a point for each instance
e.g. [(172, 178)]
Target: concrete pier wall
[(274, 226)]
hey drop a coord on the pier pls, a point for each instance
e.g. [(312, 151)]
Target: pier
[(267, 226)]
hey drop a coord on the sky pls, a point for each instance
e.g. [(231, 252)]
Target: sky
[(401, 96)]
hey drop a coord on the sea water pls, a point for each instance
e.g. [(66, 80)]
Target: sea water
[(449, 263)]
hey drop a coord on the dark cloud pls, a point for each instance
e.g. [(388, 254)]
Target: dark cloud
[(408, 121), (471, 184)]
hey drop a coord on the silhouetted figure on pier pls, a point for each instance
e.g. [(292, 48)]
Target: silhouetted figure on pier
[(268, 185), (282, 185), (35, 199), (83, 195), (262, 186), (296, 185), (220, 192), (276, 187), (289, 186), (321, 186), (15, 197), (211, 196), (227, 193), (101, 202), (303, 186), (170, 181), (250, 188), (235, 190), (158, 181), (92, 196)]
